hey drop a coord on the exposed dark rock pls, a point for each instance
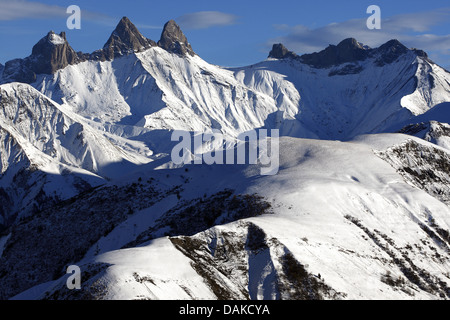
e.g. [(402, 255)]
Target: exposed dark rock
[(124, 40), (430, 131), (420, 53), (414, 129), (52, 53), (348, 69), (348, 50), (61, 235), (49, 55), (174, 40), (279, 51), (389, 52), (17, 70)]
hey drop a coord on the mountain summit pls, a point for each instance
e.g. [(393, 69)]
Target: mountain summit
[(174, 40), (125, 39), (50, 54), (279, 51)]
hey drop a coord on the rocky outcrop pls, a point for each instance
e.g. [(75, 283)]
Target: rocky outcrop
[(17, 70), (50, 54), (279, 51), (348, 50), (174, 40)]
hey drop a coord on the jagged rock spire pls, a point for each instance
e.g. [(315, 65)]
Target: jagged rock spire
[(125, 39), (52, 53), (174, 40)]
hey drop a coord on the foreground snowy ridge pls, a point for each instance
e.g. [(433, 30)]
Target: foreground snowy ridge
[(86, 176), (367, 232)]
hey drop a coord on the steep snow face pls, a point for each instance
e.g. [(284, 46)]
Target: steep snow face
[(205, 96), (156, 89), (336, 209), (48, 154), (45, 125), (102, 91), (343, 101), (433, 88), (160, 90), (31, 181)]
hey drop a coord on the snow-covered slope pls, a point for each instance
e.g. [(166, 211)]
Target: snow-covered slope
[(48, 154), (337, 104), (160, 90), (55, 132), (31, 180), (337, 222)]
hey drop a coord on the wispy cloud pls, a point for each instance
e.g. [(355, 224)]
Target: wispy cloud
[(23, 9), (206, 19), (411, 29), (20, 9), (146, 26)]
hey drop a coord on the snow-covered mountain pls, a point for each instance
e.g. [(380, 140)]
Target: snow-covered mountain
[(86, 176), (157, 89)]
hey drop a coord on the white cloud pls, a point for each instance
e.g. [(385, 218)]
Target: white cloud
[(19, 9), (206, 19), (23, 9), (146, 26)]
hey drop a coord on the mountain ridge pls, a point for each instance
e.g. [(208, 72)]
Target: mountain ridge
[(347, 51), (53, 52), (126, 39)]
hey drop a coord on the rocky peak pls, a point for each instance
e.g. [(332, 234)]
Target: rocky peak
[(50, 54), (348, 50), (279, 51), (174, 40), (390, 51), (125, 39)]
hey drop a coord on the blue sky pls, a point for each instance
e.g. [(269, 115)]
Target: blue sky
[(233, 32)]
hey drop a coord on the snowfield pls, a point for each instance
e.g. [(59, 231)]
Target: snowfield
[(336, 209)]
